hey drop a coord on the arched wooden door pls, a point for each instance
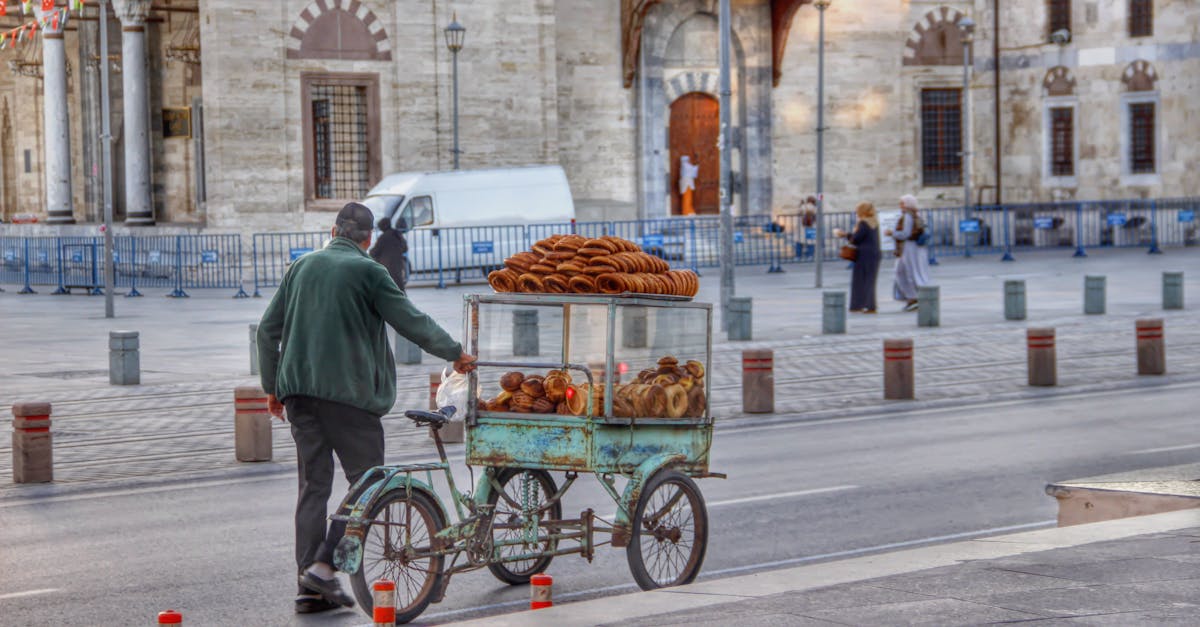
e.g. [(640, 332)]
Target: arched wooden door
[(695, 124)]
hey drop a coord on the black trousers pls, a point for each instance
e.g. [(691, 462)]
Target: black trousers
[(322, 429)]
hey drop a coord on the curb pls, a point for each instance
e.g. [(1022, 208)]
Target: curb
[(613, 610)]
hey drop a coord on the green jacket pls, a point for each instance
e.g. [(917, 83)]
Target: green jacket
[(323, 334)]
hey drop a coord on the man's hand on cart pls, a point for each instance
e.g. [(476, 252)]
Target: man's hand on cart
[(465, 363), (275, 407)]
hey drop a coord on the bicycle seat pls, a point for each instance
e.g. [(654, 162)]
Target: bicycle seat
[(436, 419)]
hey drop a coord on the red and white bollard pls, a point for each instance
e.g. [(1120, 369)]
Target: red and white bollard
[(540, 590), (383, 593), (435, 382), (170, 617), (32, 443)]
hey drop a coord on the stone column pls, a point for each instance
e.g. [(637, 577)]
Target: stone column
[(59, 207), (139, 208)]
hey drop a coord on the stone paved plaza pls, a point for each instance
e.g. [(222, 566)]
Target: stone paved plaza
[(195, 351)]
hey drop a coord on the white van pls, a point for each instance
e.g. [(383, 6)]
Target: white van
[(468, 219)]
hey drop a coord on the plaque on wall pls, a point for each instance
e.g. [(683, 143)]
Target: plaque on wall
[(177, 122)]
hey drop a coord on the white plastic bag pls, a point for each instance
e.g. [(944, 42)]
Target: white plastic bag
[(453, 390)]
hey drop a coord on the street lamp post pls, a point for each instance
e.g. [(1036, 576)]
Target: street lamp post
[(724, 145), (455, 34), (966, 26), (819, 249), (106, 161)]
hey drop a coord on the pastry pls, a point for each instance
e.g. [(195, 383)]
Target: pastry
[(655, 401), (696, 402), (668, 360), (677, 401), (687, 381), (569, 243), (576, 400), (555, 385), (533, 386), (546, 406), (543, 268), (665, 379), (589, 251), (559, 256), (694, 368), (562, 409), (504, 280), (511, 381), (521, 402), (597, 270), (521, 261), (531, 283), (569, 268), (556, 284), (582, 284), (611, 283)]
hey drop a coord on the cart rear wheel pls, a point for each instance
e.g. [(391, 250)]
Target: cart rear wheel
[(510, 517), (397, 546), (670, 532)]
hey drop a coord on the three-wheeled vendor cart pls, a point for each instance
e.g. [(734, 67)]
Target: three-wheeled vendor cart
[(609, 373)]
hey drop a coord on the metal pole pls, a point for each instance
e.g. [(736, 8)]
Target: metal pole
[(454, 55), (724, 145), (966, 140), (106, 161), (819, 250)]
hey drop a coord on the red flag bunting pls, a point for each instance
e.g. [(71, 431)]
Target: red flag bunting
[(54, 22), (47, 5), (3, 8)]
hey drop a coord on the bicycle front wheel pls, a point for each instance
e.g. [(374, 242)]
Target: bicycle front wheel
[(670, 532), (397, 546)]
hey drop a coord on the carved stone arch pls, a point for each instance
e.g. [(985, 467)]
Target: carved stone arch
[(338, 29), (1058, 82), (935, 40), (703, 82), (1139, 76)]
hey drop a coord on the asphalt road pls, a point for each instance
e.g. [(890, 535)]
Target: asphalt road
[(220, 550)]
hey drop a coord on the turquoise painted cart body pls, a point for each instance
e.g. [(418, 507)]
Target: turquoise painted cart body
[(399, 528)]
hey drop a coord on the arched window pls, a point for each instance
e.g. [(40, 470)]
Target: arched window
[(338, 29), (1058, 127), (1139, 133), (935, 40)]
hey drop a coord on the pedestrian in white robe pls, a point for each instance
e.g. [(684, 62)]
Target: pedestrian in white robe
[(912, 271)]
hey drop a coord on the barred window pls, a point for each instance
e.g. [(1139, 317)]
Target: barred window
[(941, 136), (1141, 18), (1058, 15), (341, 135), (1062, 141), (1141, 138)]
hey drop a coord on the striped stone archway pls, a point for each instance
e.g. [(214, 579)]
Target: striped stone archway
[(342, 15)]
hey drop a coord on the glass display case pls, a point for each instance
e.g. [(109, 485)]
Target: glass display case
[(588, 382)]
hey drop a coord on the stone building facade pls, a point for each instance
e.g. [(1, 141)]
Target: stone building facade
[(268, 115)]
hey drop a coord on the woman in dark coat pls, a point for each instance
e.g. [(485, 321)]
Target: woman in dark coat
[(866, 265), (390, 251)]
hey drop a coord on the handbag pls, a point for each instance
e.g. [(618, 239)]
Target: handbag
[(849, 252)]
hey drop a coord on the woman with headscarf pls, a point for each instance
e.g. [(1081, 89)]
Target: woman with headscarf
[(391, 250), (912, 271), (865, 238)]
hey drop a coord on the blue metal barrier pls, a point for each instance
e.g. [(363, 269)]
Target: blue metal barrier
[(273, 253)]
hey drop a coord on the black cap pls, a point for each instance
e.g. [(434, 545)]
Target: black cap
[(356, 215)]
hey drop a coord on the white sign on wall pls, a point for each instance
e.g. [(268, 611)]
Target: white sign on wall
[(887, 222)]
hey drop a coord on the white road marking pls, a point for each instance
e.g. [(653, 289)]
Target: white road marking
[(1181, 447), (27, 593), (880, 547), (782, 495), (762, 565), (762, 497), (186, 485)]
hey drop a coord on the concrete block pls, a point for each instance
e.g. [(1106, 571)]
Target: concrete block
[(740, 319), (929, 306), (124, 363), (833, 312), (1172, 290), (1093, 294), (1014, 300)]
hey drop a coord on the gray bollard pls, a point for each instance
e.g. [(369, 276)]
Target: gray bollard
[(898, 379), (32, 443), (1172, 290), (833, 312), (124, 366), (406, 351), (251, 425), (758, 381), (929, 306), (254, 349), (1151, 352), (1014, 300), (1093, 294), (740, 319), (633, 327), (525, 332), (1041, 357)]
